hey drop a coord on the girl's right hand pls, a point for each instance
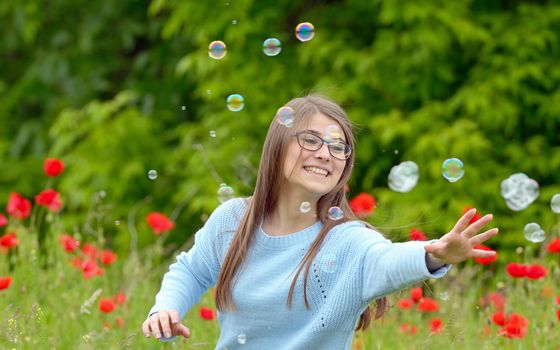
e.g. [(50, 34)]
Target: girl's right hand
[(165, 324)]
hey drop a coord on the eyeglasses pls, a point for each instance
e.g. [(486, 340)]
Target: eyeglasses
[(311, 142)]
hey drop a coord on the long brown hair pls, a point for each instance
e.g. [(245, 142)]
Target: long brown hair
[(264, 200)]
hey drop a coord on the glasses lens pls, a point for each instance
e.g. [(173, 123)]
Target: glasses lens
[(340, 150), (310, 141)]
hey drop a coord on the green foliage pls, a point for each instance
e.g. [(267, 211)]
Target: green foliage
[(426, 81)]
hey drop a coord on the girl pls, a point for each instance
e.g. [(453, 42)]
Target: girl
[(293, 267)]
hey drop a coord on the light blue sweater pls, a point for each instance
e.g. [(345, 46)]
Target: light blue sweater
[(354, 266)]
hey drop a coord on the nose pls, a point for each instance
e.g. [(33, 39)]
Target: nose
[(323, 153)]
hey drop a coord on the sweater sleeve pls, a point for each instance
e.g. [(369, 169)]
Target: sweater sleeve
[(388, 267), (196, 270)]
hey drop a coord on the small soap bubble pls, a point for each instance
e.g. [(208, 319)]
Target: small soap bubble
[(217, 50), (335, 213), (212, 133), (102, 194), (183, 108), (117, 222), (225, 193), (152, 174), (333, 132), (272, 47), (305, 31), (208, 92), (444, 295), (403, 177), (285, 116), (555, 203), (235, 102), (396, 151), (534, 233), (234, 22), (327, 263), (305, 207), (242, 339), (519, 250), (452, 169)]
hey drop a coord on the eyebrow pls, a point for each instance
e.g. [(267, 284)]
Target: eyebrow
[(315, 132)]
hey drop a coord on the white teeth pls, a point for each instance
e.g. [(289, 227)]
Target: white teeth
[(316, 170)]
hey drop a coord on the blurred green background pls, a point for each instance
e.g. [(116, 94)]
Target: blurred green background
[(102, 85)]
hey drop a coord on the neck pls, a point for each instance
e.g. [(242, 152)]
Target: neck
[(287, 217)]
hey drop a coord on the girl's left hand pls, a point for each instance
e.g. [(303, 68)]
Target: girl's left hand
[(458, 245)]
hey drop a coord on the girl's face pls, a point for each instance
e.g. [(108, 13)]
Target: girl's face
[(315, 171)]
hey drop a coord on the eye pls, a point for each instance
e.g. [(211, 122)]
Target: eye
[(338, 148), (310, 140)]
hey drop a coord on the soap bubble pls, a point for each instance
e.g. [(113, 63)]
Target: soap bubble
[(333, 132), (328, 263), (305, 31), (285, 116), (335, 213), (452, 169), (241, 339), (403, 177), (444, 295), (217, 50), (534, 233), (235, 102), (212, 133), (519, 191), (272, 47), (305, 207), (152, 174), (225, 193)]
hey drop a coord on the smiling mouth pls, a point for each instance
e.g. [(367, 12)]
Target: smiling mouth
[(317, 171)]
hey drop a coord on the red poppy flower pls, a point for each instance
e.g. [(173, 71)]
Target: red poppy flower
[(89, 250), (417, 235), (89, 268), (485, 261), (119, 298), (9, 240), (499, 318), (3, 220), (206, 313), (77, 262), (5, 282), (363, 204), (558, 315), (409, 329), (18, 207), (50, 199), (416, 294), (558, 300), (108, 257), (476, 216), (53, 167), (428, 305), (554, 246), (536, 272), (516, 326), (495, 298), (405, 303), (106, 305), (516, 270), (68, 243), (159, 222), (435, 325)]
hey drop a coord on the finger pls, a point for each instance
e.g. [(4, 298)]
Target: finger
[(146, 328), (164, 322), (431, 248), (154, 325), (174, 314), (476, 226), (479, 253), (478, 239), (464, 221), (182, 330)]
